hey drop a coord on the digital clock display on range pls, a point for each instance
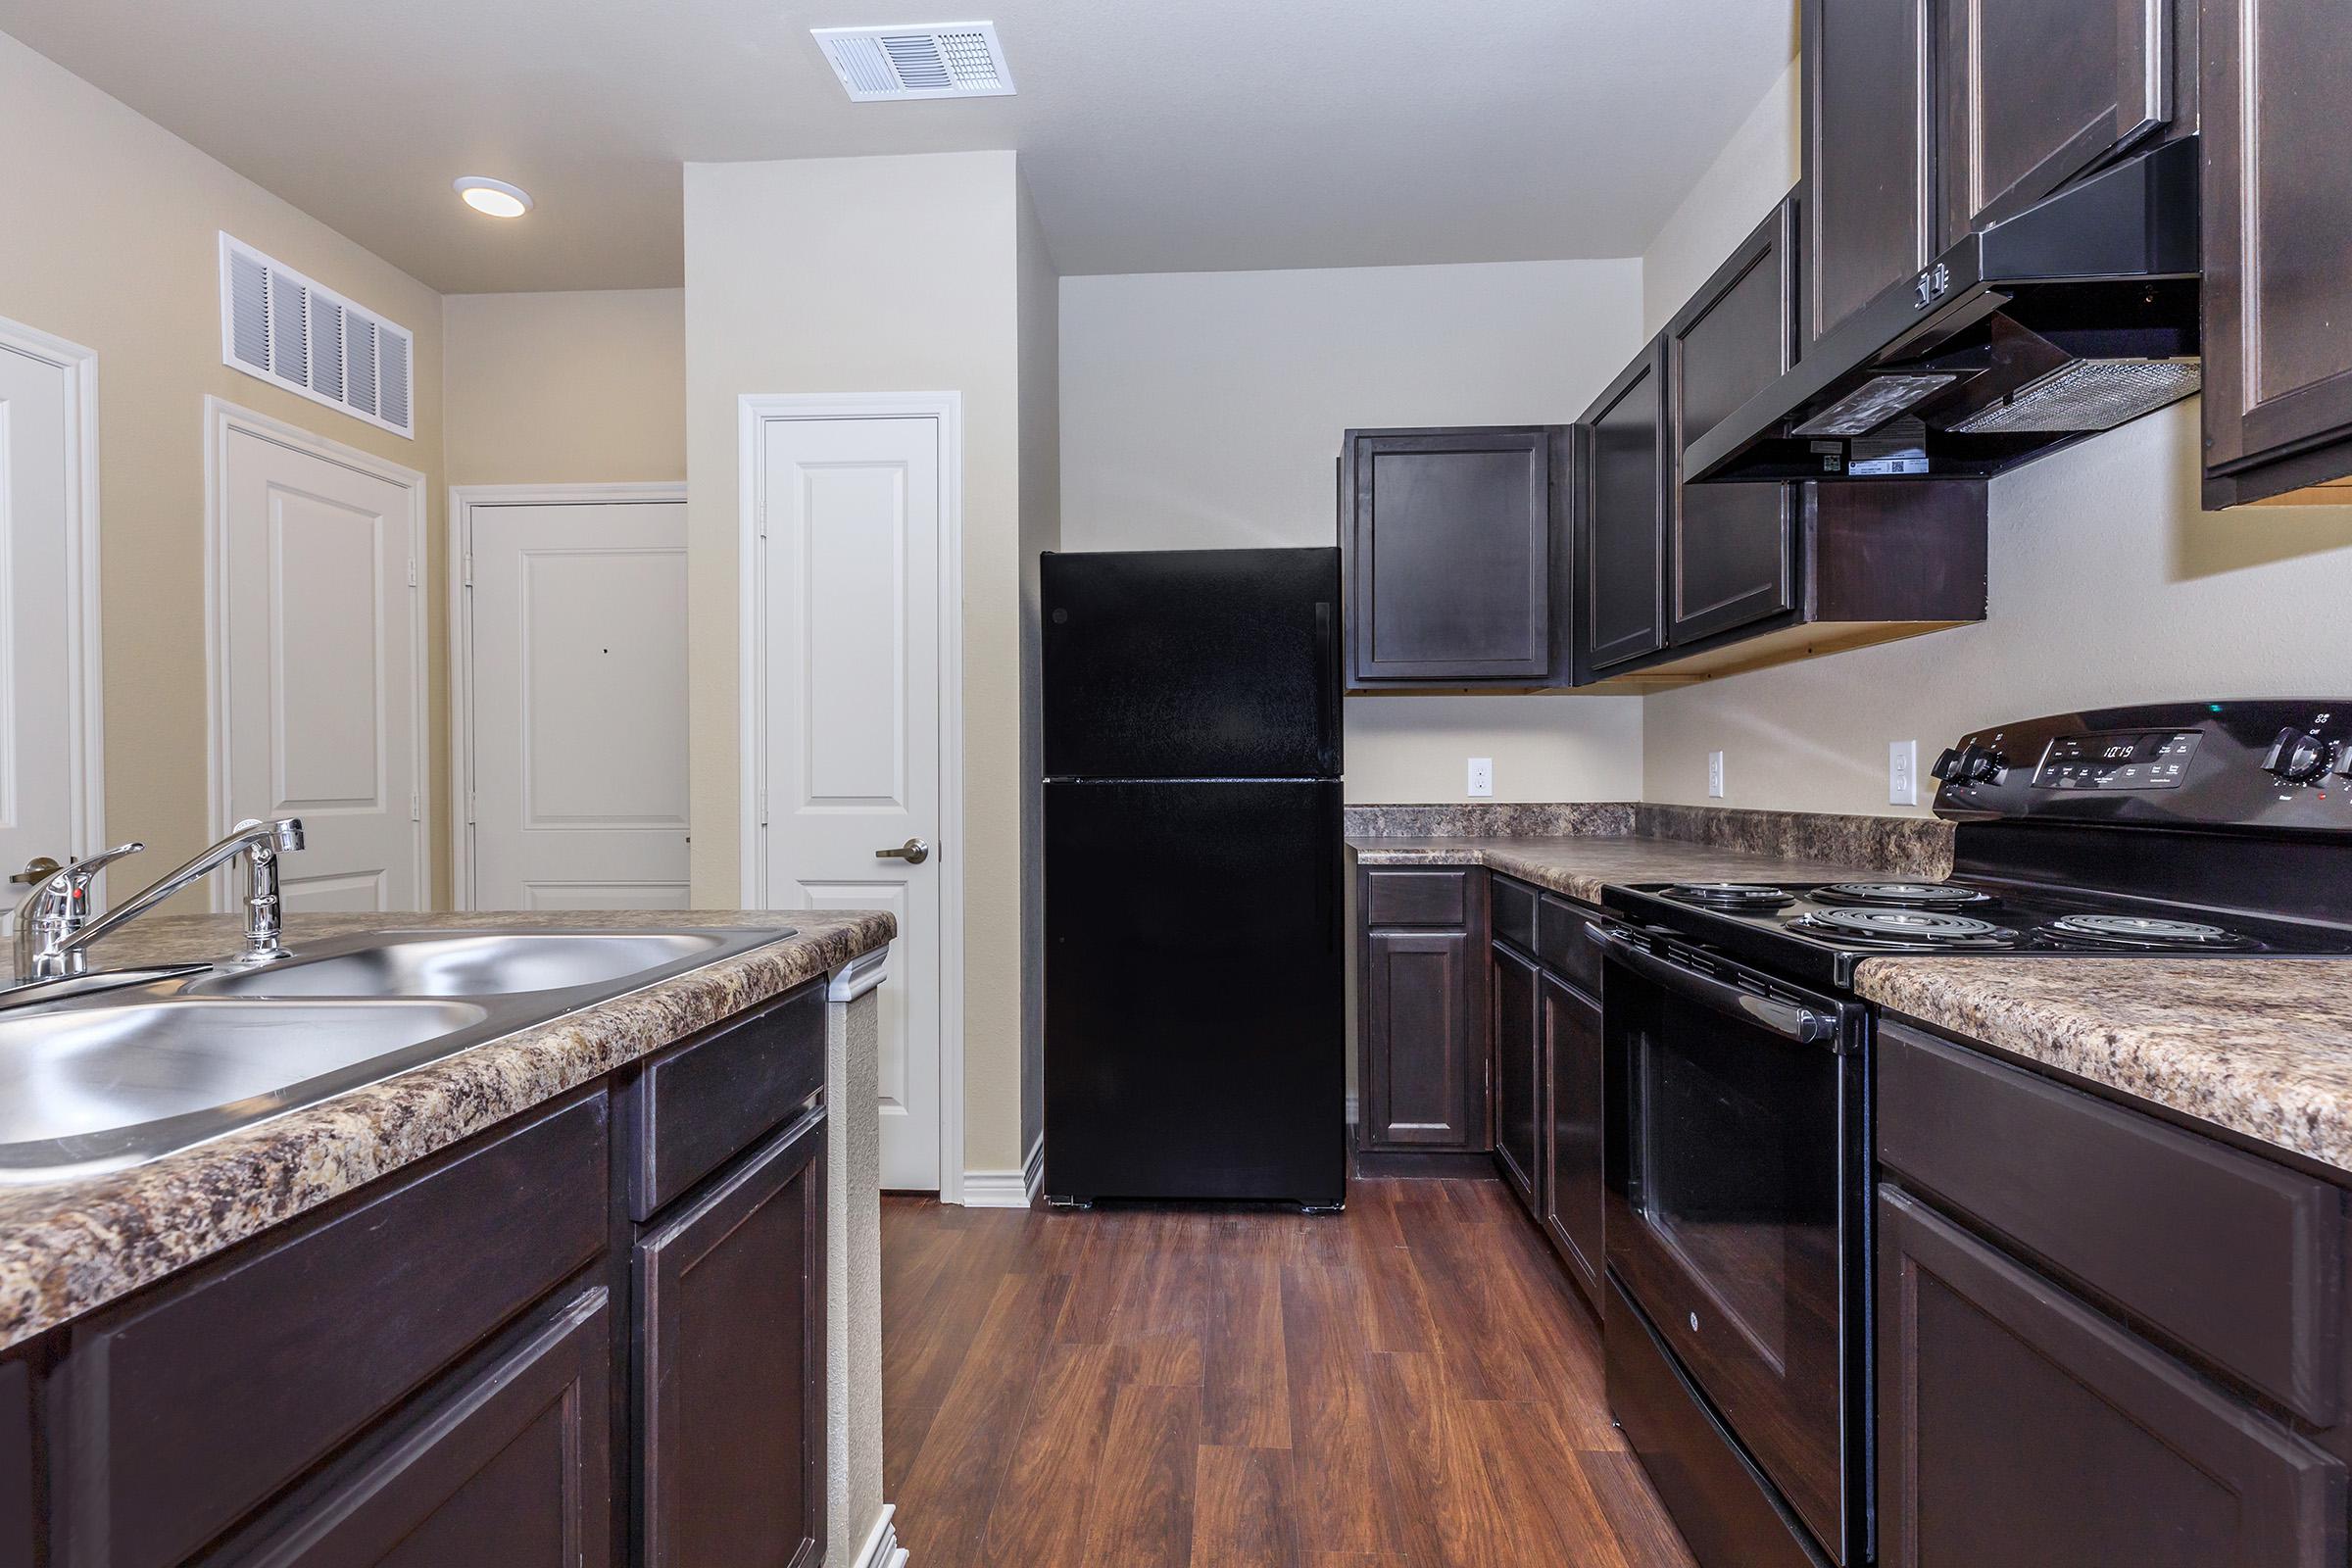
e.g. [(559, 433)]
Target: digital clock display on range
[(2148, 759)]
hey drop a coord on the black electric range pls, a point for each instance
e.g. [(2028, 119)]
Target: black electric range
[(1738, 1069)]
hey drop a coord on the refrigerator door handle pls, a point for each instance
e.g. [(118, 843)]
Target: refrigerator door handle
[(1327, 687)]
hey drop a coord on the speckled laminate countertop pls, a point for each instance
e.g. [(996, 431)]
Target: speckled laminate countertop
[(2261, 1047), (70, 1246), (1580, 867)]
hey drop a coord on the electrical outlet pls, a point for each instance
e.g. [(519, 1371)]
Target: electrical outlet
[(1714, 775), (1902, 772), (1482, 777)]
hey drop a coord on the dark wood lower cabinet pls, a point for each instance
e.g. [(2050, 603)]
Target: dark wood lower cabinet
[(1518, 1079), (18, 1491), (2017, 1426), (1573, 1196), (731, 1316), (1422, 1012), (513, 1471)]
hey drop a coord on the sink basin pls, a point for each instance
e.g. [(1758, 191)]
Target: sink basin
[(86, 1087), (105, 1079), (488, 963)]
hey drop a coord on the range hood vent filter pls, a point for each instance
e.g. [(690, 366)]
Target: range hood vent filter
[(2087, 395), (1875, 402)]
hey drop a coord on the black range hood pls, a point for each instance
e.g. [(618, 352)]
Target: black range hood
[(2072, 318)]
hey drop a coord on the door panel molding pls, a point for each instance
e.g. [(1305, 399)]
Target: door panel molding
[(223, 421), (87, 741), (755, 410), (463, 499)]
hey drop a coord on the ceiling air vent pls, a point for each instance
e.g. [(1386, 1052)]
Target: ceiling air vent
[(957, 59), (281, 327)]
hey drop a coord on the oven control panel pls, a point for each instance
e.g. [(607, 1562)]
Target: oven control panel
[(2269, 765)]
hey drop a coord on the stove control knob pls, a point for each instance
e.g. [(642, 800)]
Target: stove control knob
[(2298, 756), (1947, 766), (1979, 764)]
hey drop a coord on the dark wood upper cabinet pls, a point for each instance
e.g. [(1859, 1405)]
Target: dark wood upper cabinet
[(1621, 554), (2033, 93), (1518, 1073), (2278, 215), (2016, 1425), (1730, 546), (731, 1367), (1869, 206), (1457, 565), (1573, 1196)]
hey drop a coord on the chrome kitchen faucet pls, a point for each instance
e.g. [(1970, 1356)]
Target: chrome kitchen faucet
[(54, 929)]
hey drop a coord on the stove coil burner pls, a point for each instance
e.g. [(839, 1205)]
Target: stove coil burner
[(2133, 933), (1902, 896), (1909, 928), (1731, 894)]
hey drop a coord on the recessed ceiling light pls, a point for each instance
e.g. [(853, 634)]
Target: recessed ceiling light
[(494, 197)]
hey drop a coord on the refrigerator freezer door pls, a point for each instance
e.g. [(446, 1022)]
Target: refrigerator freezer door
[(1194, 1031), (1192, 664)]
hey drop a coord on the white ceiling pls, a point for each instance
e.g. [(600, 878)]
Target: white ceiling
[(1183, 135)]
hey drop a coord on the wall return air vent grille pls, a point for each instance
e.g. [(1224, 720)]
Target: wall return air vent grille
[(957, 59), (281, 327)]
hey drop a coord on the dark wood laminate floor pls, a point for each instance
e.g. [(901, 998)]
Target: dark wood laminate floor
[(1408, 1384)]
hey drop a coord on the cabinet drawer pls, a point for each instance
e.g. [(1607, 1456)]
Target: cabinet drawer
[(1514, 912), (703, 1102), (185, 1413), (513, 1469), (2236, 1258), (1561, 944), (1417, 897)]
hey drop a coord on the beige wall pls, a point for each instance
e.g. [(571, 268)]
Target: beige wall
[(873, 274), (1205, 410), (111, 241), (577, 388), (1041, 530), (2108, 584)]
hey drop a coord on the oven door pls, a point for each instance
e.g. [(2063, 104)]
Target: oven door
[(1737, 1170)]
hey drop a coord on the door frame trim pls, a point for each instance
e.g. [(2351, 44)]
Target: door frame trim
[(463, 500), (86, 703), (946, 409), (221, 419)]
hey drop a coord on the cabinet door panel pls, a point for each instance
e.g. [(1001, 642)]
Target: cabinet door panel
[(1425, 1086), (512, 1472), (1622, 614), (2018, 1426), (1518, 1084), (1451, 555), (730, 1402), (1573, 1196), (1868, 210), (2033, 94), (2278, 219), (1731, 547)]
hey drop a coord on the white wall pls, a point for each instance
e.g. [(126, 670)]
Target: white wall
[(1041, 530), (572, 388), (1205, 410), (2108, 584)]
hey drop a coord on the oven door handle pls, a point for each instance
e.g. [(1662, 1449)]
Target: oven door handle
[(1791, 1021)]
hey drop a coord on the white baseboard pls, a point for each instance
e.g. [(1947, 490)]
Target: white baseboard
[(882, 1548), (995, 1189), (1007, 1189)]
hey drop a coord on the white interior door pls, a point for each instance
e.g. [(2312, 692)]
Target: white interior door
[(46, 735), (578, 699), (322, 663), (850, 515)]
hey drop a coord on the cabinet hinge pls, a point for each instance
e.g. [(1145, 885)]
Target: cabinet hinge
[(468, 568), (412, 572), (764, 807), (469, 806), (415, 808)]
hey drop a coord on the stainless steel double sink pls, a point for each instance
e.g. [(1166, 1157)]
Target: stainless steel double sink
[(108, 1078)]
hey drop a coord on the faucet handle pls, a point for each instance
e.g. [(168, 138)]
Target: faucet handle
[(82, 870)]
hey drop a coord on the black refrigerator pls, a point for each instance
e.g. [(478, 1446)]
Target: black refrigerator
[(1195, 1012)]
